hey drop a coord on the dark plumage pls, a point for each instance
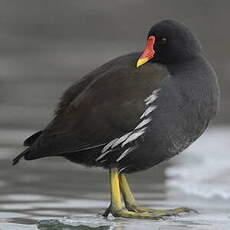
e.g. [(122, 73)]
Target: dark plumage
[(177, 90)]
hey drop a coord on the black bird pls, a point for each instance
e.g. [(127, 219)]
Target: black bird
[(134, 112)]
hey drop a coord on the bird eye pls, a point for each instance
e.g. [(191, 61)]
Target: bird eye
[(163, 41)]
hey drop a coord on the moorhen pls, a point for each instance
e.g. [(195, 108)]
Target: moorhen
[(134, 112)]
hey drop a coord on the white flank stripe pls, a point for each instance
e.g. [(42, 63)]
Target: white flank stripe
[(136, 133), (152, 97), (102, 155), (121, 139), (133, 136), (148, 111), (143, 123), (109, 145), (122, 169), (125, 153), (148, 99)]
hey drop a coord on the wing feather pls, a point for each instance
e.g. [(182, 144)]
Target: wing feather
[(105, 105)]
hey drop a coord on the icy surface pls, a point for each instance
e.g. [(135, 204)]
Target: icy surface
[(54, 194), (204, 169)]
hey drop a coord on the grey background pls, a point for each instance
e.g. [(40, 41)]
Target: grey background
[(46, 45)]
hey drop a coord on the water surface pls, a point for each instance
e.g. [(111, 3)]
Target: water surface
[(53, 193)]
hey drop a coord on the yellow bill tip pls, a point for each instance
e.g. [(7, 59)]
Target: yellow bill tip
[(141, 61)]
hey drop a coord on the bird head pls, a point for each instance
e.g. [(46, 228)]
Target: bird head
[(167, 42)]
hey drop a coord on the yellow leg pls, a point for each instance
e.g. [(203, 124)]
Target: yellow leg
[(130, 202), (117, 205), (116, 197), (126, 191)]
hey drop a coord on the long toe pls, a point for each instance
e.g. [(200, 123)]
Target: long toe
[(140, 209), (173, 212), (148, 213), (136, 215)]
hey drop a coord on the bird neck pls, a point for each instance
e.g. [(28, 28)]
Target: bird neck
[(186, 65)]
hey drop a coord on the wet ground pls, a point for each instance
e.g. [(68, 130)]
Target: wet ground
[(54, 194)]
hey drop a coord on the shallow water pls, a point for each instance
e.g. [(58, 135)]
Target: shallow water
[(54, 194)]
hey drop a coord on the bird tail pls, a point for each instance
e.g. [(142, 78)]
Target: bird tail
[(21, 155), (30, 140)]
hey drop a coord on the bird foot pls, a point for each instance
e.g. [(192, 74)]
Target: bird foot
[(165, 212), (147, 213), (135, 215)]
